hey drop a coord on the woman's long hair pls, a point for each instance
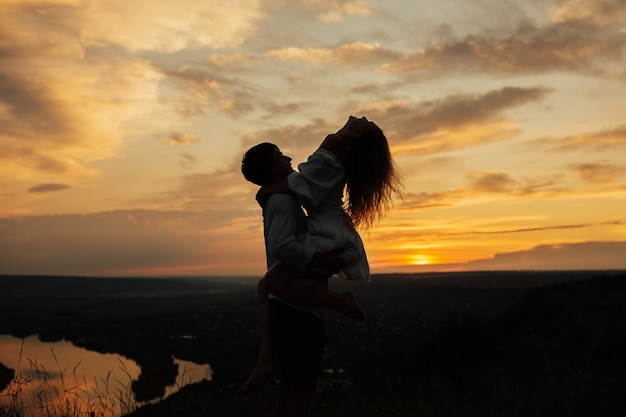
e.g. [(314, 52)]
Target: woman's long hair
[(373, 179)]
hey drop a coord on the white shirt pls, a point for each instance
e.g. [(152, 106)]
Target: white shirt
[(284, 227)]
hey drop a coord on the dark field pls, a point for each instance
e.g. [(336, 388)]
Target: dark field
[(468, 344)]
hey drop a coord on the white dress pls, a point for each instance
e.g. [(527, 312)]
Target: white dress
[(319, 184)]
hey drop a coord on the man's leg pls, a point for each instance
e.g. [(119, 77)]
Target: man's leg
[(299, 339), (294, 402)]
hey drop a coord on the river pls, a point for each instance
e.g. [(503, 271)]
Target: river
[(59, 374)]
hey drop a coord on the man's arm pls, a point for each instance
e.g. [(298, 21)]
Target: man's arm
[(330, 262), (282, 214)]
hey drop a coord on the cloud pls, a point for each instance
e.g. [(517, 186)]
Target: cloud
[(45, 188), (579, 36), (159, 25), (181, 139), (599, 173), (607, 140), (218, 190), (204, 89), (273, 109), (461, 110), (536, 229), (480, 112), (481, 186), (423, 200), (505, 184), (72, 83), (186, 160), (492, 186), (492, 182), (337, 10), (229, 61), (566, 256), (350, 55), (57, 120), (299, 140), (601, 12), (61, 107), (137, 242)]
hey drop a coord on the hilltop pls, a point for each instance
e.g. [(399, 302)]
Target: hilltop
[(559, 350), (474, 344)]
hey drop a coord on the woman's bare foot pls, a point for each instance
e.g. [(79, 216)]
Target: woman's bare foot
[(260, 375), (350, 307)]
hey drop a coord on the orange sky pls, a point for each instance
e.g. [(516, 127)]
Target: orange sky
[(122, 126)]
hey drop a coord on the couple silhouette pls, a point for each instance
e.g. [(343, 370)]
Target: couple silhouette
[(304, 251)]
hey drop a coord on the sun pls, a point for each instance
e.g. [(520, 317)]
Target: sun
[(421, 259)]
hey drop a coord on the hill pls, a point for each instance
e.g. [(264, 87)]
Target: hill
[(474, 344), (559, 350)]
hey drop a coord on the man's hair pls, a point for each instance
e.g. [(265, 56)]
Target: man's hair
[(255, 163)]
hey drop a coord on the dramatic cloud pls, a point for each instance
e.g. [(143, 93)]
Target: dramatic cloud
[(581, 32), (472, 119), (68, 85), (493, 185), (55, 124), (506, 122)]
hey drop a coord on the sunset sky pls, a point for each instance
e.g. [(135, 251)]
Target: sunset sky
[(123, 123)]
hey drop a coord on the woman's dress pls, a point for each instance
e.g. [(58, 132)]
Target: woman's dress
[(319, 184)]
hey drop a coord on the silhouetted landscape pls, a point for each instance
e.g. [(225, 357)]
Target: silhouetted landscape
[(457, 344)]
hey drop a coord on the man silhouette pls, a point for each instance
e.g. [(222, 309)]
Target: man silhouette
[(296, 329)]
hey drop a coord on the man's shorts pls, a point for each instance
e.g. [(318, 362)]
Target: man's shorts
[(299, 339)]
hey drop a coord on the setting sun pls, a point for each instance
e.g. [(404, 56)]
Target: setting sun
[(422, 259)]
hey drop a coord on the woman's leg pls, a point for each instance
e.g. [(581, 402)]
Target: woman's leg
[(285, 281), (264, 368)]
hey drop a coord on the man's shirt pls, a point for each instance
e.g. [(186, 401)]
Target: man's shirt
[(284, 222)]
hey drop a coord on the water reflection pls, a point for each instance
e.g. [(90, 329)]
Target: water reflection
[(95, 380)]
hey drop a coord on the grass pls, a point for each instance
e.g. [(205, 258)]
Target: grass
[(40, 392)]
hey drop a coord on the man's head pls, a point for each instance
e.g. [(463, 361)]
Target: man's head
[(264, 164)]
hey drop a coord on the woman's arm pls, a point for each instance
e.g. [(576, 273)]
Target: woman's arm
[(278, 187), (337, 144)]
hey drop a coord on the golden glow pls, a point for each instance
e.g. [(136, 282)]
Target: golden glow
[(122, 143), (422, 259)]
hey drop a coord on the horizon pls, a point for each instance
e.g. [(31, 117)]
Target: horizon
[(123, 127), (338, 279)]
